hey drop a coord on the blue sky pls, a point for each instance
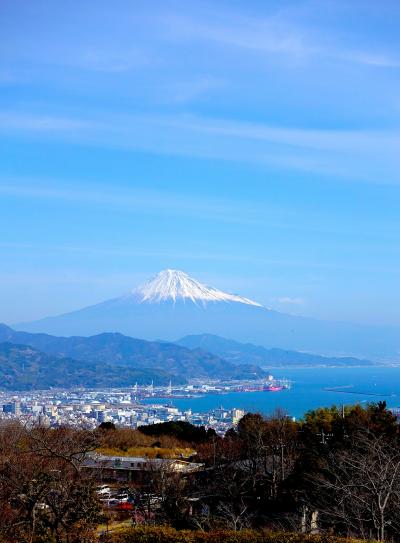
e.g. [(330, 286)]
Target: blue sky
[(255, 145)]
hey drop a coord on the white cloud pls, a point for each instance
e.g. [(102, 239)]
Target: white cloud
[(228, 28), (118, 128), (181, 91), (291, 301), (282, 33), (27, 122), (371, 59), (340, 153), (146, 201)]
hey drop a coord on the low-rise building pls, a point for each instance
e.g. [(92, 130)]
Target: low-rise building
[(135, 468)]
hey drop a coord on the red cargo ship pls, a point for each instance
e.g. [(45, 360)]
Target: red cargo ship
[(272, 388), (275, 385)]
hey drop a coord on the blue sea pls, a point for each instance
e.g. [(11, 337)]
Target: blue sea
[(308, 391)]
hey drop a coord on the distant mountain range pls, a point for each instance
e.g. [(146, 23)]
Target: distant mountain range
[(108, 359), (39, 361), (241, 353), (174, 305)]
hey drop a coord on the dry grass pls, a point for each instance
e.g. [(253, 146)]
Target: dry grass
[(149, 452), (128, 442)]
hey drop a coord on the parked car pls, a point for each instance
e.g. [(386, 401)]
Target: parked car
[(104, 490), (110, 502), (122, 498)]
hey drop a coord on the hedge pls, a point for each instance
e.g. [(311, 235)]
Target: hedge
[(163, 534)]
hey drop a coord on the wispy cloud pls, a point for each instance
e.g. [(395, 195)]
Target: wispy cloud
[(324, 139), (287, 300), (110, 60), (149, 202), (45, 124), (106, 251), (327, 151), (130, 199), (230, 28), (280, 33), (133, 37), (182, 91), (321, 139), (371, 59)]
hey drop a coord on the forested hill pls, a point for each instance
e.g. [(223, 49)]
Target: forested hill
[(25, 368)]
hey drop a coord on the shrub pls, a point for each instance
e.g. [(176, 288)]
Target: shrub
[(163, 534)]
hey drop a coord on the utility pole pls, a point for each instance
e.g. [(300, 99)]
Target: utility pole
[(214, 450)]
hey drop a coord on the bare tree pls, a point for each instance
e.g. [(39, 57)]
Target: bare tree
[(234, 516), (42, 488), (64, 444), (359, 487)]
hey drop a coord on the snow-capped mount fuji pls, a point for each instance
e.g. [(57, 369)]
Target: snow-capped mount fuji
[(175, 285), (173, 305), (168, 306)]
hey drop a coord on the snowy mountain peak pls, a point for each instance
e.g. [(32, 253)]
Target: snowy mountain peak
[(177, 285)]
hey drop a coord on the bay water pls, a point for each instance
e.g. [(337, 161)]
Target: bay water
[(310, 388)]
